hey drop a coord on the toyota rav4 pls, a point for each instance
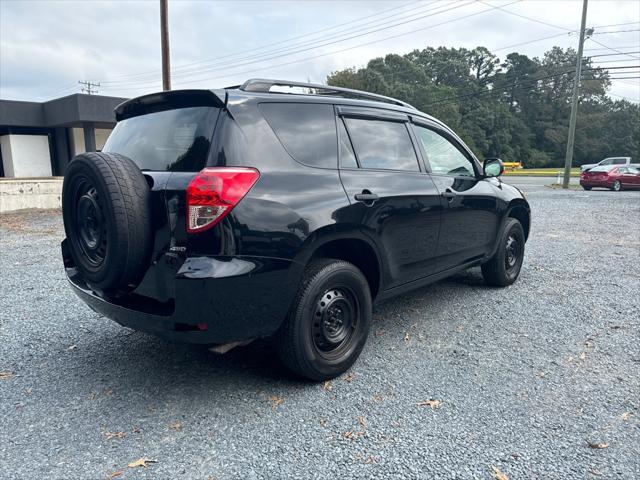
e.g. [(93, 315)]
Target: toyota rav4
[(280, 209)]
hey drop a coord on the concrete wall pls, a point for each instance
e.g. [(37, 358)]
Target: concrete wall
[(101, 137), (77, 139), (19, 194), (26, 155)]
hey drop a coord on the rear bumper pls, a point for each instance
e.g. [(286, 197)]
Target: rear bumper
[(595, 183), (237, 298)]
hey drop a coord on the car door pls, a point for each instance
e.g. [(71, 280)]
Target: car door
[(470, 216), (629, 177), (392, 198)]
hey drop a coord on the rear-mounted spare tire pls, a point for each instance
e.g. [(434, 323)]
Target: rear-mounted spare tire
[(106, 212)]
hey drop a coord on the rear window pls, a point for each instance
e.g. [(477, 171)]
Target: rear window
[(306, 130), (173, 140)]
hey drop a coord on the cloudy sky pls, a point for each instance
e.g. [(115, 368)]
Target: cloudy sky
[(46, 46)]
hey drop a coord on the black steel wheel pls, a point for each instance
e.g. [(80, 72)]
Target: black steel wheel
[(328, 323), (105, 206), (504, 267), (89, 222)]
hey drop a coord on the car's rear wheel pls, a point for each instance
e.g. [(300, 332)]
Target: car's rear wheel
[(617, 186), (505, 265), (328, 323), (105, 204), (587, 187)]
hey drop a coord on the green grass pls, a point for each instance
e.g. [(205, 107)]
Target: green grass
[(541, 172)]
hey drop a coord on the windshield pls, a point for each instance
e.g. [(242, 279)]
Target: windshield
[(174, 140), (603, 168)]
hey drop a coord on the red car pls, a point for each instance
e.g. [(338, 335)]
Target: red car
[(611, 176)]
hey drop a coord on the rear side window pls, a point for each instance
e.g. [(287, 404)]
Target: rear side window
[(306, 130), (382, 144), (173, 140)]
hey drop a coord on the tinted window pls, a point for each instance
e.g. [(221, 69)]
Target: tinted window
[(176, 140), (306, 130), (619, 161), (444, 157), (347, 157), (382, 144), (607, 161)]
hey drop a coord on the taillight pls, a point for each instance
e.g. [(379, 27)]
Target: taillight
[(213, 193)]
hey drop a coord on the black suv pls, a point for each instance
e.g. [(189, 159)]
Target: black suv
[(222, 216)]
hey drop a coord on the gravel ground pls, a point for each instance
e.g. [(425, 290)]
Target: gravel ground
[(526, 380)]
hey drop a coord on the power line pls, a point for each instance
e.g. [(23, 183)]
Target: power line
[(341, 50), (616, 31), (602, 48), (613, 49), (288, 41), (275, 56), (88, 87), (612, 54), (528, 18)]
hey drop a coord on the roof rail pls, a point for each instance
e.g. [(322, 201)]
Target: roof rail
[(263, 85)]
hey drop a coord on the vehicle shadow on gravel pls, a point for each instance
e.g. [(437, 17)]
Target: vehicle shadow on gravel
[(136, 361)]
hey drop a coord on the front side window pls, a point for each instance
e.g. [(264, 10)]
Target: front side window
[(443, 156), (619, 161), (173, 140), (381, 144), (607, 161), (306, 130)]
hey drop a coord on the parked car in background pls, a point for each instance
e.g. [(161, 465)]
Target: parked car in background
[(612, 177), (607, 161)]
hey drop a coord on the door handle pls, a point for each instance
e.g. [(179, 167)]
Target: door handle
[(367, 197), (449, 194)]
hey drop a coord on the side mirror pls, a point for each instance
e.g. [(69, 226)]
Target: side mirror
[(493, 167)]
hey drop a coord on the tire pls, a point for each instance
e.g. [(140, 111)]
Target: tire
[(317, 341), (105, 206), (586, 187), (617, 186), (505, 265)]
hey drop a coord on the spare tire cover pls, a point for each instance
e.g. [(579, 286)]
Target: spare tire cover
[(107, 219)]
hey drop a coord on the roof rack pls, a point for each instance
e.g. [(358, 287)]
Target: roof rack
[(263, 85)]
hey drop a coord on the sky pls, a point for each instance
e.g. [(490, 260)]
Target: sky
[(47, 46)]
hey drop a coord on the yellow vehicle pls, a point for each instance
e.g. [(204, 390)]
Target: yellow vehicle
[(512, 165)]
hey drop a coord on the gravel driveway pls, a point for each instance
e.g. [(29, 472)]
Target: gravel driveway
[(540, 380)]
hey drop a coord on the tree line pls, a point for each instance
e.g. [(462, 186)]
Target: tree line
[(517, 109)]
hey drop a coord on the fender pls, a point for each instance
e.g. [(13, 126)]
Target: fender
[(337, 232), (515, 203)]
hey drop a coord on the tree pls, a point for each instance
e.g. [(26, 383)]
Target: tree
[(517, 109)]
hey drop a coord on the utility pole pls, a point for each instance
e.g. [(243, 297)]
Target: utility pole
[(164, 39), (574, 101), (88, 87)]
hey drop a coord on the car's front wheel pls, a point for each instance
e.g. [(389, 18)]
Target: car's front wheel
[(328, 323), (617, 186), (505, 265), (586, 187)]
